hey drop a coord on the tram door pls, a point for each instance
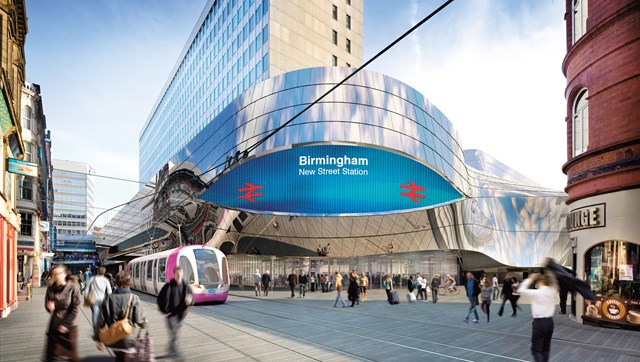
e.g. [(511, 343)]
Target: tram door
[(155, 276), (143, 284)]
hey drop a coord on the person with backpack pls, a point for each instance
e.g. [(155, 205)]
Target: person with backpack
[(174, 300), (97, 289)]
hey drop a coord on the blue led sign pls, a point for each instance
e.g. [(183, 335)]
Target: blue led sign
[(331, 180)]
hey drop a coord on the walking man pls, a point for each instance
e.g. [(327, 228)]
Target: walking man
[(256, 282), (496, 287), (293, 280), (473, 290), (435, 284), (266, 282), (174, 300), (302, 280)]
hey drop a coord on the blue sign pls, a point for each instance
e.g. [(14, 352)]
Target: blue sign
[(331, 180)]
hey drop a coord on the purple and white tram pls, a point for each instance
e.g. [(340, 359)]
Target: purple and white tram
[(204, 268)]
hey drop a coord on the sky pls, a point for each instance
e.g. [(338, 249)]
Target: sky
[(493, 67)]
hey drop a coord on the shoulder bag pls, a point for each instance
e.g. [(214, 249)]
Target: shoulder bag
[(90, 294), (118, 330)]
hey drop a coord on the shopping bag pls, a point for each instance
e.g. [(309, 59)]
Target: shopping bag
[(144, 346)]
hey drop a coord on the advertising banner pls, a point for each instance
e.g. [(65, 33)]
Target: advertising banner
[(616, 310), (331, 180)]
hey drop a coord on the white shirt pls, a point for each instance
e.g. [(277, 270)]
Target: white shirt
[(101, 286), (543, 299), (495, 282)]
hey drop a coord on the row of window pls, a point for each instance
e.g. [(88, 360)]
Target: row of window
[(69, 223)]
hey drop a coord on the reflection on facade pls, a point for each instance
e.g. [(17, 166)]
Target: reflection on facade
[(503, 218)]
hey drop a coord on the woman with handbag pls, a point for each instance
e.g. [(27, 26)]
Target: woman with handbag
[(119, 314), (97, 289), (62, 300)]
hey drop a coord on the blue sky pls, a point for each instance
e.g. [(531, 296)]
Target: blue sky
[(492, 66)]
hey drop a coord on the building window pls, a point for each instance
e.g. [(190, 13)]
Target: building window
[(27, 117), (348, 2), (26, 224), (28, 152), (579, 19), (334, 61), (335, 12), (581, 123), (348, 46), (334, 37), (348, 22), (26, 188), (348, 65)]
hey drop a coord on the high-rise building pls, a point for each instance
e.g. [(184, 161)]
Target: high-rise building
[(73, 214), (236, 44), (33, 193), (13, 27), (602, 66)]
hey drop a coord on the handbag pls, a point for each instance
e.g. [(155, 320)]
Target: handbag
[(144, 346), (118, 330), (90, 295)]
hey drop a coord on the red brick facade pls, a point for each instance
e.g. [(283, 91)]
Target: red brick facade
[(605, 61)]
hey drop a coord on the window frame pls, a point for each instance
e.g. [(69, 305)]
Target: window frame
[(334, 12), (334, 37), (26, 224), (579, 19), (348, 45), (580, 121)]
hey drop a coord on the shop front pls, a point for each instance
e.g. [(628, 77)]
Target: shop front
[(607, 232)]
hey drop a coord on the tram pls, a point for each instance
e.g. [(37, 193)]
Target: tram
[(204, 268)]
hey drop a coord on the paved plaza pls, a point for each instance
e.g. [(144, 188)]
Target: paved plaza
[(280, 328)]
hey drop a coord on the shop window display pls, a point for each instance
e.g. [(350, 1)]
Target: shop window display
[(613, 274)]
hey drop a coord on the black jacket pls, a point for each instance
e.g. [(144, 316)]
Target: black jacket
[(114, 308), (175, 299)]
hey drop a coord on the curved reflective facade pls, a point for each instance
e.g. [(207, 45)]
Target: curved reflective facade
[(487, 207)]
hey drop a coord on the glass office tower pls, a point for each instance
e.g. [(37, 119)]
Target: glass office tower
[(238, 43)]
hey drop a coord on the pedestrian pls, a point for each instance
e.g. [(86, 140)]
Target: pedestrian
[(353, 290), (102, 288), (387, 285), (435, 284), (421, 286), (486, 294), (266, 282), (312, 282), (507, 295), (293, 280), (122, 302), (174, 300), (62, 299), (515, 295), (543, 307), (302, 282), (473, 290), (496, 287), (364, 282), (338, 280), (256, 282), (20, 280)]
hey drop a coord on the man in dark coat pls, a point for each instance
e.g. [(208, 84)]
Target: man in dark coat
[(174, 300), (293, 281), (507, 295), (266, 282), (473, 290)]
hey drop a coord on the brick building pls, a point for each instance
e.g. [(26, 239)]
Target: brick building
[(602, 67)]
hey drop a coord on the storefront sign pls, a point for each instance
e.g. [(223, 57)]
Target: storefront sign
[(618, 310), (626, 271), (332, 180), (586, 217), (22, 167)]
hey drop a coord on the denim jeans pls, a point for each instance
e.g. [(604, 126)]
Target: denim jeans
[(472, 308)]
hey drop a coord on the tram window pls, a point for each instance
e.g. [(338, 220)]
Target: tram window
[(208, 267), (134, 270), (225, 271), (149, 269), (187, 270), (162, 270)]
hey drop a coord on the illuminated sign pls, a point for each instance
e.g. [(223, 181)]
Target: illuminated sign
[(331, 180), (22, 167)]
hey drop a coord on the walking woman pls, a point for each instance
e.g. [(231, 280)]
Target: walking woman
[(543, 307), (113, 309), (353, 290), (62, 300), (486, 293), (338, 280), (364, 282)]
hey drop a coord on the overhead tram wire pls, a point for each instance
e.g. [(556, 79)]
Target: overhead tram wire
[(104, 176)]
